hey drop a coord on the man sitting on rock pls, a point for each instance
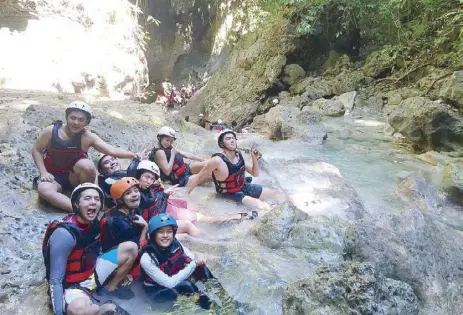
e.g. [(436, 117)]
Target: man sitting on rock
[(228, 170), (70, 250), (60, 154)]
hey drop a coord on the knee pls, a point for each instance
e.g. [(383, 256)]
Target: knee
[(129, 250), (45, 190), (82, 307), (84, 166)]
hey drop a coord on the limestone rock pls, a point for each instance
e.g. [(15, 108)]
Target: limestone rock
[(350, 288), (428, 125), (292, 73), (333, 107), (348, 100), (453, 89)]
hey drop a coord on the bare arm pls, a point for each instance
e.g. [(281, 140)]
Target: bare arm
[(42, 143), (190, 156), (108, 149), (161, 161), (254, 168)]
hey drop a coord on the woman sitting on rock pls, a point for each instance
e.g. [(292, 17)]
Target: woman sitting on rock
[(155, 200), (171, 161)]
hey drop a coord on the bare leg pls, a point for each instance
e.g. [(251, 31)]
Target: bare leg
[(127, 253), (220, 219), (254, 202), (83, 306), (51, 192), (188, 228), (196, 167), (268, 193), (83, 172)]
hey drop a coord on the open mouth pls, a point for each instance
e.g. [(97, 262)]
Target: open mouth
[(91, 212)]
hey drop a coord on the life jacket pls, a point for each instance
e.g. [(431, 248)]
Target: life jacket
[(82, 259), (109, 237), (235, 180), (170, 261), (178, 169), (152, 203), (61, 155)]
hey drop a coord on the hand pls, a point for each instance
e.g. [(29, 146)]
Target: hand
[(171, 190), (138, 220), (47, 177), (200, 259), (143, 154), (173, 152)]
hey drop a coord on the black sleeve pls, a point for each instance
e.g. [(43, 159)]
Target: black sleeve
[(132, 169)]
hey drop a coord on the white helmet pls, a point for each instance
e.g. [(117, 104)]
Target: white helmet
[(76, 193), (220, 121), (201, 115), (148, 166), (167, 131), (82, 106)]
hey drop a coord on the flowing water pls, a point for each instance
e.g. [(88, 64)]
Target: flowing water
[(256, 275)]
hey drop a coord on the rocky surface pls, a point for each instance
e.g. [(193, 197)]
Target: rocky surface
[(347, 289)]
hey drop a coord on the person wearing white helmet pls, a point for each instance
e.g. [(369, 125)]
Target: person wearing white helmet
[(171, 160), (60, 154), (228, 172), (154, 199), (70, 250)]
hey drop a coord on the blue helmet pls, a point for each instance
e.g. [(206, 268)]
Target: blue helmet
[(161, 220)]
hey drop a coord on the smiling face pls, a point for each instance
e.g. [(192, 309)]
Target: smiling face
[(164, 236), (89, 204), (147, 179), (109, 164), (76, 121), (131, 197), (166, 142)]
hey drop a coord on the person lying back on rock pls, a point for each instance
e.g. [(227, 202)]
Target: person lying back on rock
[(156, 200), (60, 154), (70, 250), (228, 173), (171, 161)]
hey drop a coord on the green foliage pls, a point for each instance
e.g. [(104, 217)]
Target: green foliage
[(382, 21)]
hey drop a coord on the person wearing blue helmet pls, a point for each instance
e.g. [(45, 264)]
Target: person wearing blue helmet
[(168, 267)]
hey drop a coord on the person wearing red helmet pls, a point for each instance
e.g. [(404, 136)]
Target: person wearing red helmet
[(228, 172), (60, 154), (70, 250)]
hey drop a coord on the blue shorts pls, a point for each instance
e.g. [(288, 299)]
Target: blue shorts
[(251, 190)]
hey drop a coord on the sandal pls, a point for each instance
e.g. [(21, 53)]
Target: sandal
[(249, 215)]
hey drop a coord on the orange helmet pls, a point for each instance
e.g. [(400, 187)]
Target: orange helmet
[(121, 186)]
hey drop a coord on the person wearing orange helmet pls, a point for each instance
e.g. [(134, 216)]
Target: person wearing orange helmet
[(60, 154), (123, 232)]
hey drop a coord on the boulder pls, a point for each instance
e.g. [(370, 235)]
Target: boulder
[(333, 107), (275, 227), (380, 63), (428, 125), (284, 122), (452, 179), (415, 248), (292, 73), (347, 289), (452, 89), (348, 101)]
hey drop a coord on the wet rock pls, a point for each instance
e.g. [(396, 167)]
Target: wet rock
[(350, 288), (452, 179), (452, 89), (292, 73), (414, 248), (285, 122), (428, 125), (333, 107), (348, 101), (275, 227)]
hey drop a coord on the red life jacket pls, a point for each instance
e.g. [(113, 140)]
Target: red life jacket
[(235, 180), (178, 169), (61, 155), (170, 261), (152, 203), (82, 260)]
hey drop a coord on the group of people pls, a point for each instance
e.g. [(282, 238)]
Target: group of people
[(125, 224), (169, 95)]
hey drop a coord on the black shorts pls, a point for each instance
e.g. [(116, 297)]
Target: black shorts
[(63, 180), (251, 190)]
